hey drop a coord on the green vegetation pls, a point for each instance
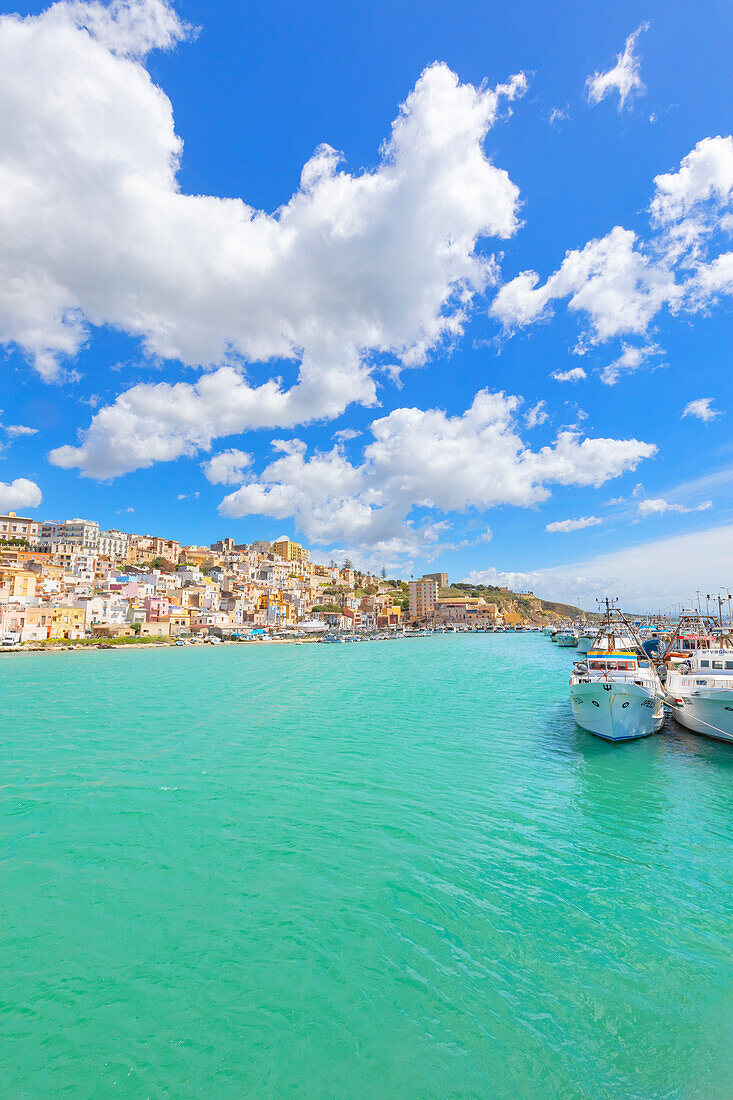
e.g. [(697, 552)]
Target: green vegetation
[(15, 542), (126, 640), (332, 608)]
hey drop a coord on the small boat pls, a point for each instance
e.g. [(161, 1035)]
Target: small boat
[(616, 693), (567, 638), (585, 641), (698, 662)]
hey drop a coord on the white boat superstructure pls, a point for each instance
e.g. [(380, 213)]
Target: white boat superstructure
[(615, 692), (698, 661)]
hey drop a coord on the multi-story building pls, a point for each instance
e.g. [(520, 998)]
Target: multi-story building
[(197, 555), (423, 596), (289, 550), (81, 533), (17, 585), (441, 579), (113, 544), (223, 546), (67, 622), (19, 527), (84, 535)]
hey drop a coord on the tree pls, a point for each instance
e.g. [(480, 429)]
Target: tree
[(348, 564), (384, 573)]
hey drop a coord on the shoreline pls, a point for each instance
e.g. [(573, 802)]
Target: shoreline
[(71, 647), (107, 647)]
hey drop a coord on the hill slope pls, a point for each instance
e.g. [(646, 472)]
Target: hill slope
[(529, 606)]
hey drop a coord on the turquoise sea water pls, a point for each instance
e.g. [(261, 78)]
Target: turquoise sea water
[(385, 870)]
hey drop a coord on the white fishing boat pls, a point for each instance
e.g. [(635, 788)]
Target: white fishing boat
[(567, 638), (616, 693), (698, 661), (585, 641)]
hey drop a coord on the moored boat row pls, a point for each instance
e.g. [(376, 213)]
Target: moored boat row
[(619, 690), (625, 673)]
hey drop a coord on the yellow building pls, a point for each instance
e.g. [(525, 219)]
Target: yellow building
[(290, 551), (179, 622), (67, 622), (17, 584), (275, 609), (198, 555)]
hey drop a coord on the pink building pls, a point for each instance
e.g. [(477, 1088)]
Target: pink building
[(156, 608)]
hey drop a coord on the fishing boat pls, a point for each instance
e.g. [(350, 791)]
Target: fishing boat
[(616, 692), (585, 641), (698, 676), (567, 638)]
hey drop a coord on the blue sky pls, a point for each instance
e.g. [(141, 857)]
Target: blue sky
[(139, 306)]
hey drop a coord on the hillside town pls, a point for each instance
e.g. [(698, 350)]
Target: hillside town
[(71, 582)]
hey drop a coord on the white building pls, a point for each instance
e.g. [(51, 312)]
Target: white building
[(84, 535)]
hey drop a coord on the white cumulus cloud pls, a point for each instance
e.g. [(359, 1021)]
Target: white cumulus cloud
[(631, 359), (656, 506), (424, 459), (701, 409), (575, 374), (565, 526), (624, 78), (352, 269), (19, 494), (620, 282), (227, 468)]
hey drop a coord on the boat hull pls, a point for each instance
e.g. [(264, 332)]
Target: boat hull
[(616, 711), (710, 714), (584, 643)]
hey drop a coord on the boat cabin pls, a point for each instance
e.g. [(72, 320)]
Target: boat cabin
[(711, 662), (612, 662)]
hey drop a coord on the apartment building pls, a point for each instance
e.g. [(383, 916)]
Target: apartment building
[(290, 551), (19, 527), (423, 596), (84, 535)]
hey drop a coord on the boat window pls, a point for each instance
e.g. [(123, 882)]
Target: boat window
[(593, 664), (729, 664), (717, 664), (704, 664), (613, 664)]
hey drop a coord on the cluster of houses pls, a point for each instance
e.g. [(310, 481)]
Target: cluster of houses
[(71, 580)]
